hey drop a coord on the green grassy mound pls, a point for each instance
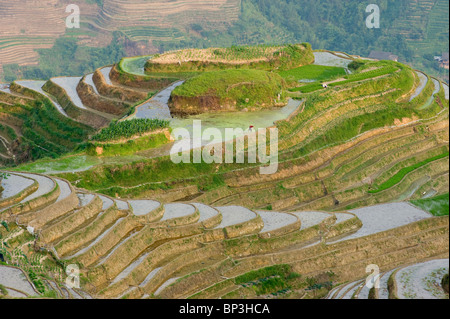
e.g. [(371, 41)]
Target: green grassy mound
[(438, 205), (231, 89)]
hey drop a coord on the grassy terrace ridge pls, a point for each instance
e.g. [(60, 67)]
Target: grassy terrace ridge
[(404, 171), (227, 89), (44, 131), (382, 68), (128, 129), (239, 57), (328, 121), (438, 205), (313, 72)]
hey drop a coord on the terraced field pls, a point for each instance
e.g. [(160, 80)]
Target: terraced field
[(350, 157), (146, 250)]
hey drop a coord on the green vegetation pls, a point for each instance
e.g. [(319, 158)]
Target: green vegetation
[(246, 87), (414, 30), (68, 58), (355, 77), (277, 270), (3, 290), (45, 131), (8, 131), (274, 279), (129, 128), (130, 147), (444, 283), (70, 163), (313, 72), (404, 171), (236, 57), (438, 205), (36, 281)]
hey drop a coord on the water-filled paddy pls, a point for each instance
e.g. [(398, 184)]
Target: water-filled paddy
[(328, 59), (89, 79), (423, 82), (69, 84), (105, 72), (135, 65), (157, 107), (13, 185), (310, 219), (274, 220), (233, 215), (422, 281), (143, 207)]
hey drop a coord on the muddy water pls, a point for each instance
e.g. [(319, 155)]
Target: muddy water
[(310, 219), (234, 120), (5, 88), (157, 107), (172, 211)]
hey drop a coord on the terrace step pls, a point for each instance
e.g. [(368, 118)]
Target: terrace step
[(87, 235), (66, 202), (47, 193), (37, 87), (423, 82), (106, 87), (72, 222), (13, 186)]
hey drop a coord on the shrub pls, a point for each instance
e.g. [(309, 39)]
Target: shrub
[(127, 129)]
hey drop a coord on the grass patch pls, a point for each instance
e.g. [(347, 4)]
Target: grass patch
[(246, 87), (313, 72), (404, 171), (277, 270), (385, 68), (130, 147), (438, 205), (128, 129), (70, 163)]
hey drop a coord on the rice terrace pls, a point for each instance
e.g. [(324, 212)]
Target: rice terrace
[(87, 180)]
